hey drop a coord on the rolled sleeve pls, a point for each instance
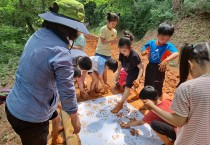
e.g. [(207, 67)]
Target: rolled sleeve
[(180, 104), (61, 63)]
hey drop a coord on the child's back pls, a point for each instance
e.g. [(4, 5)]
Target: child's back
[(98, 64)]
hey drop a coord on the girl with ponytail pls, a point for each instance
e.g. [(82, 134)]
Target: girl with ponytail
[(131, 64), (191, 103)]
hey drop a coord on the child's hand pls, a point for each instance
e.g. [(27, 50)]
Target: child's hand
[(162, 66), (106, 87), (124, 125), (148, 104), (145, 52), (114, 41), (135, 84)]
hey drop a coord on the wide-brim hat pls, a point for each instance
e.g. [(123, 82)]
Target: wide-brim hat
[(69, 13)]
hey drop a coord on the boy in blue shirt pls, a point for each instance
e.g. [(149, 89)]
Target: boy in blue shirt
[(159, 53)]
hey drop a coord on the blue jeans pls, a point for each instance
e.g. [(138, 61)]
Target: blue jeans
[(104, 56)]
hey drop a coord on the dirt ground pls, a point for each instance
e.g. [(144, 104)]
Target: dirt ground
[(9, 137), (171, 80)]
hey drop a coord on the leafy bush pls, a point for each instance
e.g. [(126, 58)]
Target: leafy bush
[(196, 6), (12, 41), (138, 15)]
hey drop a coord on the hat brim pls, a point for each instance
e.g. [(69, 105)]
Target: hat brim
[(56, 18)]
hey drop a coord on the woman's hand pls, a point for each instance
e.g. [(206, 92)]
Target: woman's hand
[(149, 104), (162, 66), (75, 121)]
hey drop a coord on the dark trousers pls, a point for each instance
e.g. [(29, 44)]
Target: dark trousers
[(164, 129), (30, 133), (154, 77)]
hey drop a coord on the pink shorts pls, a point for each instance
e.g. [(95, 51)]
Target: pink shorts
[(123, 76)]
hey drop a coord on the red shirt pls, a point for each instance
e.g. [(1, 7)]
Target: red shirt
[(151, 116)]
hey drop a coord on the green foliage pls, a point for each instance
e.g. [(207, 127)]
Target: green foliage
[(137, 15), (196, 6), (11, 46)]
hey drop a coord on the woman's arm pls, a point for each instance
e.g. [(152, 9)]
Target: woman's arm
[(171, 118)]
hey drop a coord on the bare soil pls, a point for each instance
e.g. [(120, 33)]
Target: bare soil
[(189, 30)]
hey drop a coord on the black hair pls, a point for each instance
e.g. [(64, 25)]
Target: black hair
[(128, 34), (149, 92), (113, 17), (77, 72), (112, 64), (198, 52), (84, 63), (166, 29), (126, 39), (60, 30)]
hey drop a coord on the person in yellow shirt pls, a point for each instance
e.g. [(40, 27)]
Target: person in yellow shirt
[(107, 36)]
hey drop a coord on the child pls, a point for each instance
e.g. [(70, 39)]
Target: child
[(99, 65), (159, 52), (84, 64), (191, 103), (80, 42), (123, 74), (167, 130), (107, 36), (56, 128), (77, 73), (131, 62)]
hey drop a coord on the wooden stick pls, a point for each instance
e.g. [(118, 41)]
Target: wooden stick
[(71, 139)]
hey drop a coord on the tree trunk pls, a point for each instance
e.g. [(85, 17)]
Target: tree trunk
[(31, 28), (27, 19), (43, 6), (177, 6)]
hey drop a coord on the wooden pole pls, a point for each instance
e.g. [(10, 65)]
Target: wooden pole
[(71, 139)]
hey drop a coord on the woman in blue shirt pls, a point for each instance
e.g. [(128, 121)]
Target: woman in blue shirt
[(45, 69)]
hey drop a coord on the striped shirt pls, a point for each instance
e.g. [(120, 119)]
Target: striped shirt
[(192, 100)]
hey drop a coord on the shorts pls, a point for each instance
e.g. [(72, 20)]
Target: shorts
[(131, 77), (164, 129), (123, 76), (104, 56), (154, 77), (55, 114)]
